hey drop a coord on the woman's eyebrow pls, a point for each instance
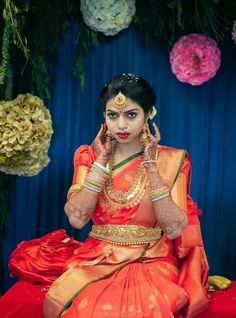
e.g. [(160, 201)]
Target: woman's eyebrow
[(128, 111), (110, 110), (131, 110)]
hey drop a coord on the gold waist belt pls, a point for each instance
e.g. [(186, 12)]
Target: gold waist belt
[(126, 234)]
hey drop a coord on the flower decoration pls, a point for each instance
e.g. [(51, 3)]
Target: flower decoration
[(25, 135), (152, 113), (234, 32), (195, 59), (108, 17)]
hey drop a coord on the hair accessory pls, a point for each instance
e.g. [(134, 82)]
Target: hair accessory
[(120, 100), (131, 77), (152, 113)]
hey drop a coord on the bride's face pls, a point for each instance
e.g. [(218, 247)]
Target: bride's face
[(125, 124)]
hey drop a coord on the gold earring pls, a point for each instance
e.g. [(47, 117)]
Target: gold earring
[(113, 139), (107, 133), (144, 136)]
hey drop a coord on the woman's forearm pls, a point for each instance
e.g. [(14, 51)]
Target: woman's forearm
[(170, 217), (82, 204), (81, 207)]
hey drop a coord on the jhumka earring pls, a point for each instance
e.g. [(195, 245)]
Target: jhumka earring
[(113, 140), (144, 136), (107, 133)]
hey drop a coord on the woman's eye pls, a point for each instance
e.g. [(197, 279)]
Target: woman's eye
[(112, 115), (132, 115)]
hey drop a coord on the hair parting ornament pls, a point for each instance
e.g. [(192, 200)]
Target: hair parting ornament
[(120, 100)]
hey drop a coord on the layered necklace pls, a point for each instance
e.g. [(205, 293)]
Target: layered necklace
[(131, 197)]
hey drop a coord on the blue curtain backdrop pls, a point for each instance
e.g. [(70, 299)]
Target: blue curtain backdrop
[(198, 118)]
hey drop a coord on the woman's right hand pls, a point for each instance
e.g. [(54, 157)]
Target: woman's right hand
[(102, 146)]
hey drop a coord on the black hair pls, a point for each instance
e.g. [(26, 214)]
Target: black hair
[(133, 87)]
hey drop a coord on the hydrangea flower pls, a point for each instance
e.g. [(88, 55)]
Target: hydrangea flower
[(107, 16), (25, 135), (195, 58)]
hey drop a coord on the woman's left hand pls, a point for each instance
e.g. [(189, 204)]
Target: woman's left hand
[(150, 150)]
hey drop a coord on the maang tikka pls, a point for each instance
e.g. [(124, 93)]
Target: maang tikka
[(120, 100)]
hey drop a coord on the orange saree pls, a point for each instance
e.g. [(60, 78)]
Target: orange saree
[(162, 278)]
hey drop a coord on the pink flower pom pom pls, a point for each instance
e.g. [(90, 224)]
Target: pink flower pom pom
[(195, 58)]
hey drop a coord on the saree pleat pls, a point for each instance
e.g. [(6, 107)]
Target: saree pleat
[(137, 293)]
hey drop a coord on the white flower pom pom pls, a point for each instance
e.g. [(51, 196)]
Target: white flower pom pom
[(108, 16)]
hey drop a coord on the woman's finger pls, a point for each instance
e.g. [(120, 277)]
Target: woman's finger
[(108, 142), (100, 132), (157, 132), (152, 142), (149, 132), (71, 207)]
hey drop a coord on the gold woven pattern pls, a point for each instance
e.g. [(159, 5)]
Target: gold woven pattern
[(126, 234)]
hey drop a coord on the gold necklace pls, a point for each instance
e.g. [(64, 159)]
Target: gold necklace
[(130, 198)]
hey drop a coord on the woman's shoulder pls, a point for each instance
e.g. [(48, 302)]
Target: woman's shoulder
[(170, 150), (175, 156), (171, 162), (84, 155)]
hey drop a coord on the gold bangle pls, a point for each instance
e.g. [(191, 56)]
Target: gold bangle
[(75, 188)]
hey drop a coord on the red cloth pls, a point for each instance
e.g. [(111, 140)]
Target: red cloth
[(25, 300), (222, 305)]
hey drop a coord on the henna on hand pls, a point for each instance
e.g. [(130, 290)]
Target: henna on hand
[(81, 207), (150, 150), (102, 146), (171, 220), (170, 217)]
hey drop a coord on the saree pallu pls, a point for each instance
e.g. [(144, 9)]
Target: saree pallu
[(161, 279)]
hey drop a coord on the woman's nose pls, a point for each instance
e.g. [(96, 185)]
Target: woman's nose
[(121, 124)]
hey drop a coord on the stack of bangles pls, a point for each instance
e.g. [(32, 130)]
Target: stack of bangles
[(146, 162), (159, 194), (97, 177)]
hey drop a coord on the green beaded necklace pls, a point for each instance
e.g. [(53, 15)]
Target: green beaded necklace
[(123, 162)]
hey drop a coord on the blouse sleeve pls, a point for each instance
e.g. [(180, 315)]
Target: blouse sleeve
[(83, 159)]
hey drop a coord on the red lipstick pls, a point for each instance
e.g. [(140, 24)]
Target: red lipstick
[(123, 135)]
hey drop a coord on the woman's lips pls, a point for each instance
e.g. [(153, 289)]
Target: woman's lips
[(123, 135)]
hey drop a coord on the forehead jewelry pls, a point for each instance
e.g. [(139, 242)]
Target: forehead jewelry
[(120, 100)]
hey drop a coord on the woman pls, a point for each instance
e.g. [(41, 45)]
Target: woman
[(144, 256)]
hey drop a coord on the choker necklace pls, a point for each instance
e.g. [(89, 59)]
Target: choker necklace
[(130, 198)]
